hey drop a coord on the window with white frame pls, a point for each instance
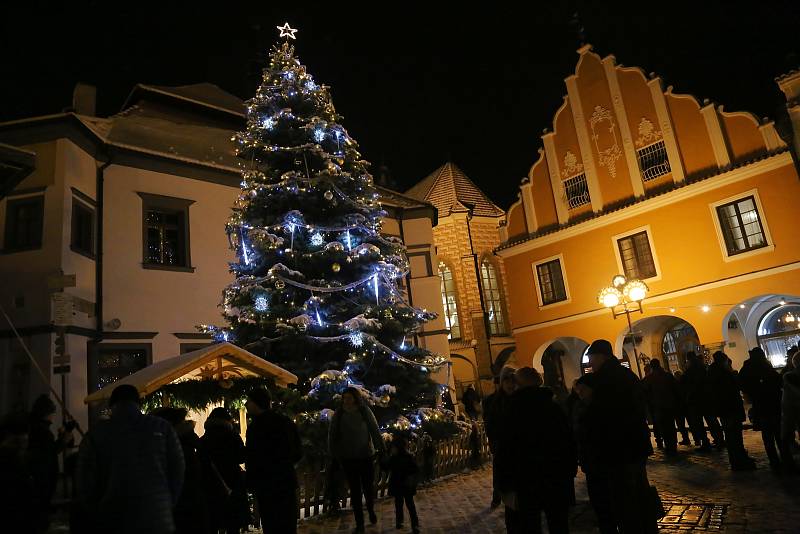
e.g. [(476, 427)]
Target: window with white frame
[(636, 256), (653, 160), (741, 225), (550, 277), (449, 301), (492, 298)]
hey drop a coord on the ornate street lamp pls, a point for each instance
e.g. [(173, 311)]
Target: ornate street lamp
[(624, 296)]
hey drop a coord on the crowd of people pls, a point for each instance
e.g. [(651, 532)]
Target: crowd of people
[(153, 473), (537, 443)]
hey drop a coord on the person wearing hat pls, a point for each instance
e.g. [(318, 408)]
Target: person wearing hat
[(130, 469), (761, 383), (272, 448), (222, 452), (616, 444)]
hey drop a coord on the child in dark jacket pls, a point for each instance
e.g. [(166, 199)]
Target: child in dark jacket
[(403, 472)]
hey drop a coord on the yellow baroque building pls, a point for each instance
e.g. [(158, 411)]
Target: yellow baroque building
[(698, 202)]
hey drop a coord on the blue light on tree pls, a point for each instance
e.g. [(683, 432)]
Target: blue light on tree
[(317, 240), (261, 303), (356, 339), (319, 135), (268, 123), (311, 86)]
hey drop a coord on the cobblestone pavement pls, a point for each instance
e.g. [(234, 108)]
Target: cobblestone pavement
[(697, 488)]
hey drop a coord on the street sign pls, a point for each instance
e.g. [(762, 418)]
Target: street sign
[(61, 370), (60, 281), (63, 309)]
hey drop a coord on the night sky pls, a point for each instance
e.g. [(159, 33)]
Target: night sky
[(417, 85)]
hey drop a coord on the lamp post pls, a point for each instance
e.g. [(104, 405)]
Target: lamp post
[(624, 296)]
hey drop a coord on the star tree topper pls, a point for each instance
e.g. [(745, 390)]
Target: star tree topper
[(287, 31)]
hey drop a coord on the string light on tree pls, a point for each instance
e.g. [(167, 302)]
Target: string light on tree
[(335, 290), (261, 304)]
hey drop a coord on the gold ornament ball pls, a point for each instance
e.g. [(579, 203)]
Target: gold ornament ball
[(336, 267), (280, 284), (328, 195)]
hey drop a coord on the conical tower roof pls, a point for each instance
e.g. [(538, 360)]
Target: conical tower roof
[(449, 189)]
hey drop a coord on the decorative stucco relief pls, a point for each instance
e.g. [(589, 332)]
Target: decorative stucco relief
[(571, 167), (604, 135), (647, 133)]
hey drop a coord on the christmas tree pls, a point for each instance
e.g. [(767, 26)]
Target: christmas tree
[(316, 286)]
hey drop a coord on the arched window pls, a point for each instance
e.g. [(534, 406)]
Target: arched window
[(449, 300), (678, 340), (778, 330), (492, 299)]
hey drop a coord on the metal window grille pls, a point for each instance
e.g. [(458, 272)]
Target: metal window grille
[(576, 190), (653, 161)]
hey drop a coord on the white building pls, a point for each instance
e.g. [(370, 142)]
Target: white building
[(114, 229)]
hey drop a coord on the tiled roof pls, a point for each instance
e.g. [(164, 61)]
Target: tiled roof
[(204, 94), (449, 189)]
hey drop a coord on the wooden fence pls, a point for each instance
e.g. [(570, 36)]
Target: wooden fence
[(450, 456)]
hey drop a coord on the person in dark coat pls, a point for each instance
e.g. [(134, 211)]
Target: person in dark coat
[(616, 444), (18, 507), (664, 394), (43, 451), (536, 458), (726, 403), (403, 472), (272, 448), (680, 417), (130, 469), (354, 439), (761, 383), (222, 453), (790, 407), (191, 510), (494, 408), (471, 400), (693, 386)]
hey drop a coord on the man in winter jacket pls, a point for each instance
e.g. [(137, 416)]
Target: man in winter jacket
[(693, 386), (726, 403), (664, 394), (762, 385), (130, 469), (615, 446), (494, 408), (272, 447), (537, 459)]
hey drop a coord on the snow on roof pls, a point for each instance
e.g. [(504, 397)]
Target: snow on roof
[(224, 358)]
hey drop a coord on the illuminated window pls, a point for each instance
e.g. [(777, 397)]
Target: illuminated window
[(778, 330), (492, 299), (741, 226), (449, 300), (166, 232)]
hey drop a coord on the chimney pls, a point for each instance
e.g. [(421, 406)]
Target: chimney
[(790, 85), (84, 99)]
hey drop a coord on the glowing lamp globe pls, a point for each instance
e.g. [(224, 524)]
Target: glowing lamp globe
[(609, 297), (619, 281), (635, 290)]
